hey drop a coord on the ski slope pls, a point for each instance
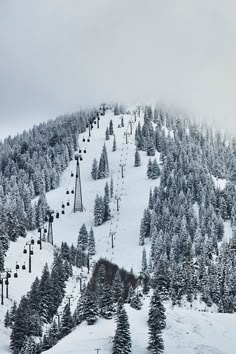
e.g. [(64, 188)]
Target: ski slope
[(188, 331)]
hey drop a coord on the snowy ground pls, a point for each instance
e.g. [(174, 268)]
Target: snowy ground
[(188, 331)]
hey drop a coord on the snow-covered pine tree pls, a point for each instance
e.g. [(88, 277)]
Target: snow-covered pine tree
[(1, 257), (66, 321), (149, 168), (117, 287), (122, 340), (114, 144), (111, 129), (135, 302), (111, 187), (94, 172), (106, 303), (144, 260), (107, 136), (150, 147), (106, 202), (91, 243), (90, 307), (155, 170), (156, 323), (82, 241), (7, 319), (137, 159), (98, 211), (103, 169)]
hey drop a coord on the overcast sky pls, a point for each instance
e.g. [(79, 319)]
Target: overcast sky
[(59, 55)]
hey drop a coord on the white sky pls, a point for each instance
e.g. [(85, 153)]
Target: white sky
[(59, 55)]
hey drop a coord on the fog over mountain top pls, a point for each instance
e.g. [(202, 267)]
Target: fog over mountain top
[(59, 55)]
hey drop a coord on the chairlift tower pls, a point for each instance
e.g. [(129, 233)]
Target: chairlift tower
[(78, 203), (50, 231)]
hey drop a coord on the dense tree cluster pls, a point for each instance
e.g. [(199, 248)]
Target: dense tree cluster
[(102, 211), (37, 308), (101, 170), (186, 213), (30, 165)]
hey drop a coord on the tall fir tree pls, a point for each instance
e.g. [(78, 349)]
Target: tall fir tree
[(94, 172), (114, 144), (156, 323), (66, 321), (122, 340), (111, 130), (137, 159), (91, 243)]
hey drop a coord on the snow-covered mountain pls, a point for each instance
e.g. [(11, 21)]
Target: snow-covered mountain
[(192, 327)]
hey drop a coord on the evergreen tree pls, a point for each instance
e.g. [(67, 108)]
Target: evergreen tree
[(156, 323), (122, 340), (117, 287), (114, 144), (137, 159), (103, 169), (45, 295), (7, 320), (106, 303), (94, 172), (82, 241), (149, 169), (111, 187), (90, 307), (91, 243), (98, 211), (144, 260), (136, 302), (111, 130), (107, 134), (150, 147), (66, 321), (155, 170), (106, 201), (1, 257)]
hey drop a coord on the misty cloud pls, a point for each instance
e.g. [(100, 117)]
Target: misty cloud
[(59, 55)]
